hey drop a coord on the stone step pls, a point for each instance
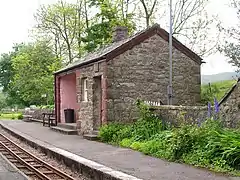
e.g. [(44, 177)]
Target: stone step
[(72, 126), (64, 130), (95, 132), (91, 137)]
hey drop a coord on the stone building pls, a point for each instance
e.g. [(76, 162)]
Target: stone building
[(230, 106), (104, 85)]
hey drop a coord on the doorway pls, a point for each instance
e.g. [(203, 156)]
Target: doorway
[(97, 102)]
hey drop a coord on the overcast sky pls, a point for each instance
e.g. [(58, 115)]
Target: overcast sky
[(16, 17)]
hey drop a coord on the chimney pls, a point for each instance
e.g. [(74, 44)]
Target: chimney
[(120, 33)]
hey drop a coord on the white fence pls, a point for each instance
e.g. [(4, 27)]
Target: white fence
[(153, 103)]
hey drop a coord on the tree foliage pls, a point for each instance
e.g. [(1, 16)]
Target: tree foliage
[(6, 77), (65, 32), (111, 14), (60, 23), (231, 44), (33, 67)]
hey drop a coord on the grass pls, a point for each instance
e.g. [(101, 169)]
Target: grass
[(224, 87), (9, 116), (218, 90)]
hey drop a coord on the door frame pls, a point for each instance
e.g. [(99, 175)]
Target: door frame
[(98, 79)]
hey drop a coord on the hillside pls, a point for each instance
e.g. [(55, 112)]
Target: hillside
[(218, 90), (219, 77)]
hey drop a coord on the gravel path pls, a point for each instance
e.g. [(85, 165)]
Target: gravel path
[(47, 159)]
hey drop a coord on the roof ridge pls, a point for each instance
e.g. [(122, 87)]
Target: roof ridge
[(121, 46)]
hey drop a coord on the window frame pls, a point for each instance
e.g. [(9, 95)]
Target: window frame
[(84, 85)]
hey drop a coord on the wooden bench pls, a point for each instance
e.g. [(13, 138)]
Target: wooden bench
[(27, 118), (50, 117)]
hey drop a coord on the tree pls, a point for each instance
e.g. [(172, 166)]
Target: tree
[(60, 22), (231, 45), (191, 22), (3, 103), (6, 77), (33, 67), (111, 14), (149, 8), (6, 72)]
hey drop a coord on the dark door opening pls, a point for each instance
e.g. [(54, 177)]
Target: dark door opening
[(97, 102)]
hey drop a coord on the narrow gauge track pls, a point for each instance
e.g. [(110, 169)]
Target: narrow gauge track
[(29, 164)]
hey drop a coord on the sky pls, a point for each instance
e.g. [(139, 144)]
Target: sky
[(16, 17)]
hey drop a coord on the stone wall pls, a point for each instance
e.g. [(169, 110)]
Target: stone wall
[(86, 112), (230, 107), (37, 113), (143, 72), (181, 114)]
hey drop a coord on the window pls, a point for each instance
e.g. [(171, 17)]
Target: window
[(84, 89)]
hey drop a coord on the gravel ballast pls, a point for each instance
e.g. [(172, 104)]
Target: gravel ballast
[(45, 158)]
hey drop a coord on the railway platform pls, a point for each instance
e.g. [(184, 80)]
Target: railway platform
[(102, 161)]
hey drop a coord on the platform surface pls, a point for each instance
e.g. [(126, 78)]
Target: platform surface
[(121, 159)]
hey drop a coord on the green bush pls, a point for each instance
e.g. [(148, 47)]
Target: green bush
[(147, 125), (209, 145), (124, 132), (209, 93), (107, 132), (20, 116), (182, 141), (126, 142)]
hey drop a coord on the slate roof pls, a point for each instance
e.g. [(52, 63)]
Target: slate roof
[(131, 41)]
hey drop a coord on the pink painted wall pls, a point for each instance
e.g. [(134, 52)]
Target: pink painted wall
[(68, 95)]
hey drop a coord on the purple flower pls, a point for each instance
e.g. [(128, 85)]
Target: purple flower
[(216, 105), (209, 109)]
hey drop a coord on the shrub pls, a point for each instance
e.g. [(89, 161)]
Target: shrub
[(152, 147), (123, 133), (147, 125), (182, 141), (20, 116), (107, 132), (208, 93), (136, 145), (126, 142), (207, 145)]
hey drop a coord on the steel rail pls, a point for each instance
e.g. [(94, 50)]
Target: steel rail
[(51, 170)]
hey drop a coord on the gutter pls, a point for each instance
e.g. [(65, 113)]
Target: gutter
[(80, 64)]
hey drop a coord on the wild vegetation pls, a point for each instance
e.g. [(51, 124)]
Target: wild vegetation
[(11, 116), (215, 90), (207, 144)]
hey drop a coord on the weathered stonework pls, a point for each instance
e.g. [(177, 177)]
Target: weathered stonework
[(37, 113), (230, 107), (134, 68), (177, 115), (143, 72), (86, 110)]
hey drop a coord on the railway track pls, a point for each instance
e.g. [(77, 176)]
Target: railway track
[(32, 166)]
